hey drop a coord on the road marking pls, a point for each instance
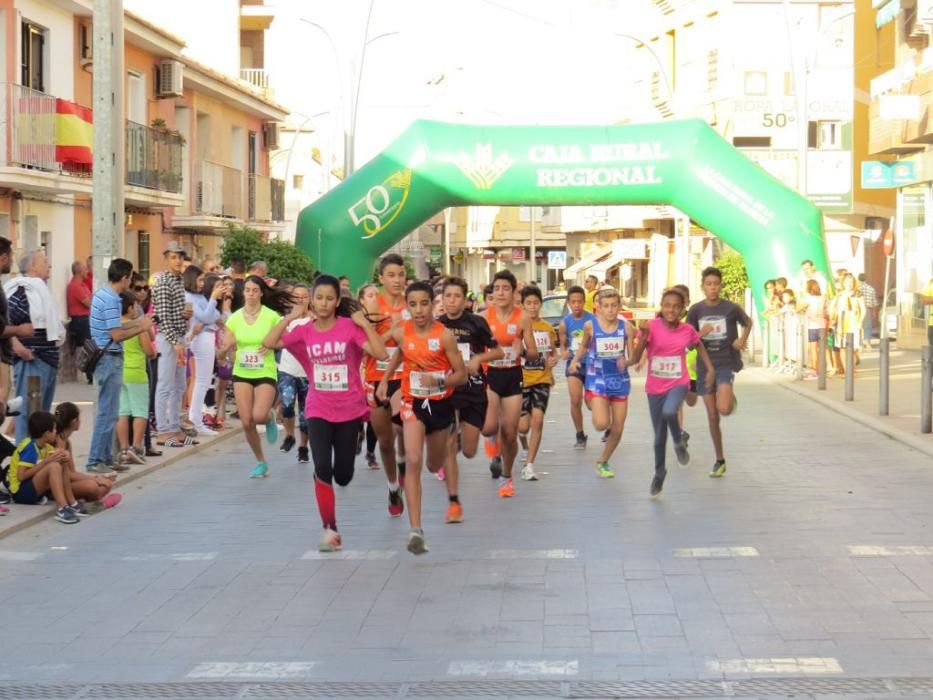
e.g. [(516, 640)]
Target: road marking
[(9, 555), (351, 554), (865, 550), (267, 670), (177, 556), (716, 552), (806, 665), (513, 668), (534, 553)]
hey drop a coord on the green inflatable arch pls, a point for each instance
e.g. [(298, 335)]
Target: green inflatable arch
[(686, 164)]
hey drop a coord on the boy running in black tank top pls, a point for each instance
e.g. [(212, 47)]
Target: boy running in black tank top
[(476, 345)]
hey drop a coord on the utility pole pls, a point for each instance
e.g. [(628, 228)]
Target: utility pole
[(109, 161)]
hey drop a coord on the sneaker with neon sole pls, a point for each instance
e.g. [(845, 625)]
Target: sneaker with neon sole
[(604, 470)]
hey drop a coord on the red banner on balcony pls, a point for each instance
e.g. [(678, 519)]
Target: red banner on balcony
[(74, 130)]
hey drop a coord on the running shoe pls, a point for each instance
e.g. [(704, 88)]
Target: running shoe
[(507, 489), (371, 460), (272, 429), (330, 542), (66, 515), (78, 508), (604, 470), (528, 473), (719, 468), (416, 543), (205, 430), (260, 472), (680, 449), (287, 444), (686, 437), (111, 500), (396, 504), (454, 513), (441, 474), (580, 444), (495, 468), (303, 455), (4, 510), (657, 483), (604, 437)]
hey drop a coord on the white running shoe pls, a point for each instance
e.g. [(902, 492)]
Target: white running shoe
[(528, 473), (204, 430)]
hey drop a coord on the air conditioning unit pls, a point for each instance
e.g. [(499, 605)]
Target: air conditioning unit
[(86, 47), (270, 135), (170, 79)]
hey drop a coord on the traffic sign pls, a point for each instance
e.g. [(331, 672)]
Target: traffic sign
[(557, 260)]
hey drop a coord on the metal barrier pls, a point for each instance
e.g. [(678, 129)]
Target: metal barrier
[(786, 343)]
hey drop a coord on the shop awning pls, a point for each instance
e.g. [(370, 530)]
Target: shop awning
[(888, 12), (603, 266), (587, 262)]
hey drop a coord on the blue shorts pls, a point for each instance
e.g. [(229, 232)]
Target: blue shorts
[(723, 375), (610, 386), (292, 389), (26, 494)]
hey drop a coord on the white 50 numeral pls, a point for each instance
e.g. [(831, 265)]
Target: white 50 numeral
[(373, 204)]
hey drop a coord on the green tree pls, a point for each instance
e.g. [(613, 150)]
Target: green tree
[(734, 276), (285, 260)]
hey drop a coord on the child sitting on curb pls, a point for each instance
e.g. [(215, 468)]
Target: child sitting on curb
[(94, 489)]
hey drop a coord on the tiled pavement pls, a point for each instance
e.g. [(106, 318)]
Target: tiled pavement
[(812, 559)]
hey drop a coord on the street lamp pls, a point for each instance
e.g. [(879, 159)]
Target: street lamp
[(661, 69), (291, 149), (349, 139)]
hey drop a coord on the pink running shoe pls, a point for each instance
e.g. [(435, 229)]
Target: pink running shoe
[(440, 474), (111, 500)]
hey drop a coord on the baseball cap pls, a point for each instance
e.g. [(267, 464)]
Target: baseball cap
[(173, 247)]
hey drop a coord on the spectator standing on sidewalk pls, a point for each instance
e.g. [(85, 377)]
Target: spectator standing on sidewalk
[(78, 303), (926, 298), (134, 394), (8, 331), (590, 284), (108, 332), (870, 297), (37, 355), (202, 339), (168, 298)]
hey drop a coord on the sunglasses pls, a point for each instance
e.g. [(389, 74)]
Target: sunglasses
[(139, 289)]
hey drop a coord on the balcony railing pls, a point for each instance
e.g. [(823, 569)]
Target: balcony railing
[(218, 190), (266, 200), (42, 132), (256, 76), (153, 158)]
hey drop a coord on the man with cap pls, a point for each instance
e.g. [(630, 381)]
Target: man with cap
[(168, 298)]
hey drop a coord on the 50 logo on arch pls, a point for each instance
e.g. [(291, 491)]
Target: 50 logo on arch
[(382, 203)]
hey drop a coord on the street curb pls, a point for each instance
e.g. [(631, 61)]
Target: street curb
[(45, 513), (920, 444)]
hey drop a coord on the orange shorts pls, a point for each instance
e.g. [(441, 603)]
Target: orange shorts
[(611, 399)]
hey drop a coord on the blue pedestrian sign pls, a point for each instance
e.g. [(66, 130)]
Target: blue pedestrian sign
[(557, 260)]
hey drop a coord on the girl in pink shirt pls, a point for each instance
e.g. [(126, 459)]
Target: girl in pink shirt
[(330, 349), (666, 340)]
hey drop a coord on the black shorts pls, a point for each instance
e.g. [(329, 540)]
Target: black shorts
[(435, 415), (392, 386), (505, 382), (579, 374), (535, 396), (693, 386), (256, 381), (470, 408)]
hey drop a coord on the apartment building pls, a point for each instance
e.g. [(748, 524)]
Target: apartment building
[(900, 134), (196, 140)]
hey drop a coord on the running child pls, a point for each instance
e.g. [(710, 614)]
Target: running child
[(470, 403), (717, 321), (511, 327), (606, 345), (664, 341), (537, 378), (570, 332), (293, 380), (386, 312), (432, 368), (691, 399), (330, 350)]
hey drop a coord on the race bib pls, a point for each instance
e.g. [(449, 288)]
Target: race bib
[(718, 325), (406, 315), (419, 385), (543, 341), (383, 365), (608, 348), (331, 378), (465, 351), (508, 360), (666, 367), (252, 360), (575, 343)]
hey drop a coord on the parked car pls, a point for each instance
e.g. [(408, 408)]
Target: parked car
[(554, 308)]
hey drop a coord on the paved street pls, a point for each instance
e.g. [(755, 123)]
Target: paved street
[(811, 562)]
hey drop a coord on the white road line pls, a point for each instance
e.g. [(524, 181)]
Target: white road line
[(716, 552), (266, 670), (865, 550), (805, 665), (534, 553), (351, 554), (8, 555), (513, 668), (177, 556)]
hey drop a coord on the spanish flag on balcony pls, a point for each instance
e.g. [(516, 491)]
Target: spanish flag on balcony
[(74, 131)]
